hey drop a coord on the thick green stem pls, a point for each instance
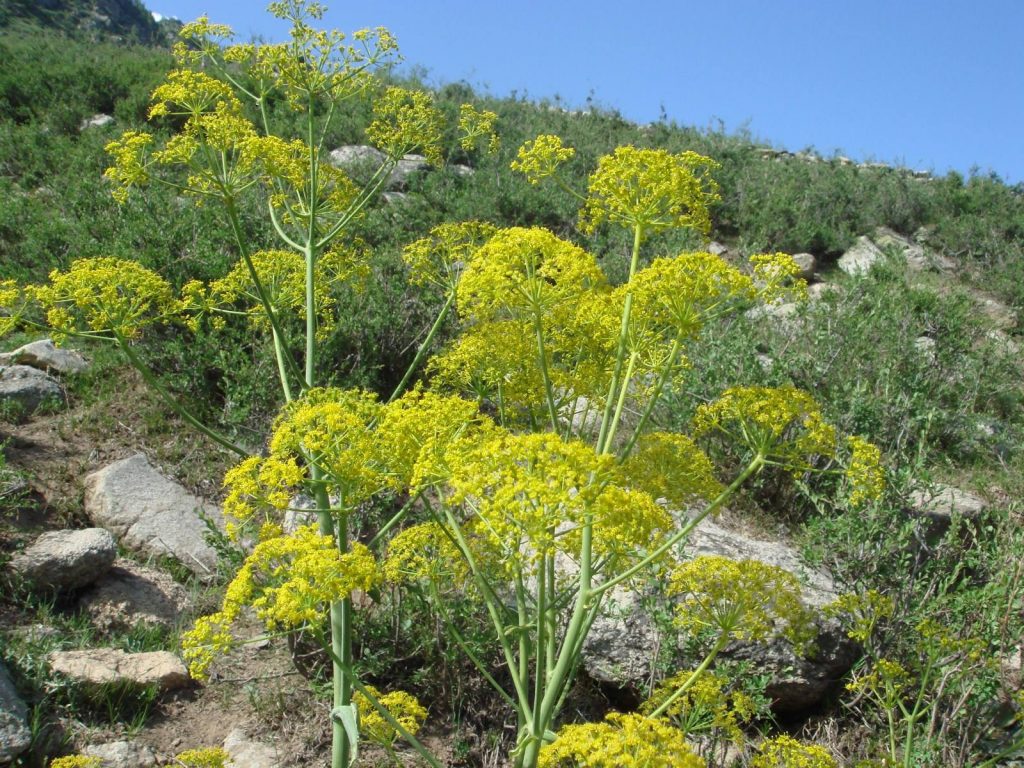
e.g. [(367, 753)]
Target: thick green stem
[(175, 406), (652, 401), (542, 357)]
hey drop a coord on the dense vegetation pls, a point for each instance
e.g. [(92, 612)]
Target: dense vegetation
[(953, 414)]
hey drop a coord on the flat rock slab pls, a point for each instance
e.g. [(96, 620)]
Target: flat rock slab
[(110, 666), (245, 752), (122, 754), (151, 514), (130, 594), (944, 502), (66, 560), (46, 356), (27, 388), (15, 736)]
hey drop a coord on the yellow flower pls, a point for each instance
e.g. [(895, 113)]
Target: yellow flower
[(540, 157), (863, 611), (475, 125), (670, 466), (621, 741), (439, 258), (424, 552), (405, 121), (104, 296), (776, 277), (782, 424), (651, 189), (208, 757), (707, 705), (402, 706), (191, 94), (259, 483), (76, 761), (741, 598), (10, 306), (130, 166), (864, 474), (786, 752)]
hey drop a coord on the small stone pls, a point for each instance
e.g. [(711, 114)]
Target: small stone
[(66, 560), (28, 388), (807, 263), (130, 594), (96, 121), (245, 752), (122, 754), (98, 667), (45, 356)]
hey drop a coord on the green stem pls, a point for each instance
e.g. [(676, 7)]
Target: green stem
[(177, 407), (623, 391), (542, 357), (422, 351), (688, 683), (652, 401)]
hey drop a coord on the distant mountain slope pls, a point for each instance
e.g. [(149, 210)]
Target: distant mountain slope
[(127, 20)]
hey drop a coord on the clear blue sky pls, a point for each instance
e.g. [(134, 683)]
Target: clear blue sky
[(934, 85)]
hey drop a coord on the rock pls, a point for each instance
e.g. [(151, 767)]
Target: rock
[(122, 754), (96, 121), (1000, 315), (783, 316), (624, 639), (152, 514), (818, 291), (716, 248), (941, 503), (912, 252), (130, 594), (66, 560), (359, 157), (42, 354), (244, 752), (926, 346), (462, 170), (98, 667), (15, 736), (807, 263), (859, 259), (28, 388), (394, 198)]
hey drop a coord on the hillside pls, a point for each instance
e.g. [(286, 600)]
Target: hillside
[(909, 337)]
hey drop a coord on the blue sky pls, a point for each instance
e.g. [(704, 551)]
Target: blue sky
[(933, 85)]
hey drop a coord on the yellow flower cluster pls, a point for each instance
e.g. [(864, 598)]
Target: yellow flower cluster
[(777, 277), (743, 599), (402, 706), (332, 429), (674, 297), (424, 552), (621, 741), (208, 757), (886, 682), (528, 495), (257, 483), (783, 424), (405, 121), (864, 474), (199, 40), (191, 94), (104, 296), (861, 611), (476, 125), (786, 752), (289, 581), (707, 705), (10, 295), (540, 157), (76, 761), (670, 466), (130, 166), (439, 258), (651, 189)]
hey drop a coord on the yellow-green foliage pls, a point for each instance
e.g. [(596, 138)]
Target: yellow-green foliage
[(208, 757), (621, 741), (787, 752), (76, 761), (706, 705), (402, 706)]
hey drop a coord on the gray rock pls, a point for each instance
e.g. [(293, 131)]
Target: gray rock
[(717, 249), (130, 594), (462, 170), (1000, 315), (15, 735), (940, 503), (359, 157), (42, 354), (97, 667), (96, 121), (624, 640), (394, 198), (245, 752), (152, 514), (356, 154), (122, 754), (66, 560), (913, 252), (28, 388), (818, 291), (807, 263), (859, 259), (404, 170)]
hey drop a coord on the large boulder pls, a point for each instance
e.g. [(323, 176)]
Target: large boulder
[(95, 668), (65, 560), (940, 504), (151, 514), (860, 257), (122, 754), (15, 735), (130, 594), (359, 158), (46, 356), (26, 388), (624, 640), (914, 253)]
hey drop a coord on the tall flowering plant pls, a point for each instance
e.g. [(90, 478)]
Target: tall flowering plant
[(528, 454)]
